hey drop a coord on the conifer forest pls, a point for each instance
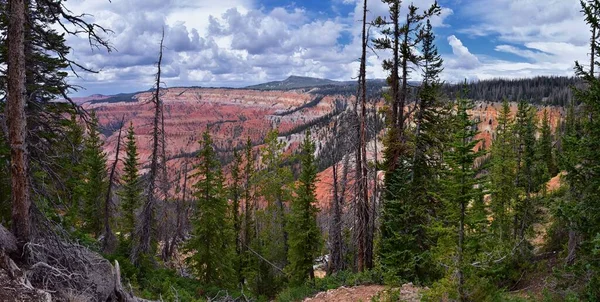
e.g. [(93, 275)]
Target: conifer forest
[(405, 187)]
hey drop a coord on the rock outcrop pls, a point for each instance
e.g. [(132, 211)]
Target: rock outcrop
[(234, 115)]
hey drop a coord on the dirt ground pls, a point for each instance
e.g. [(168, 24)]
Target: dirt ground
[(365, 293)]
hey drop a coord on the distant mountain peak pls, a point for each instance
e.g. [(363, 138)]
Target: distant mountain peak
[(295, 82)]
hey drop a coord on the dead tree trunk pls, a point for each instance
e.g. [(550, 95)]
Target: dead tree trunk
[(186, 215), (17, 122), (180, 213), (336, 263), (145, 233), (110, 241), (169, 232), (375, 191), (364, 237)]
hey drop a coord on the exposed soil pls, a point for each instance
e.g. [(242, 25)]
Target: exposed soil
[(408, 292), (347, 294)]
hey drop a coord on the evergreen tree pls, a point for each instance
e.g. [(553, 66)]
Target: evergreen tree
[(235, 195), (302, 223), (54, 164), (275, 181), (69, 171), (95, 179), (411, 202), (249, 230), (581, 161), (462, 187), (212, 244), (271, 241), (503, 173), (546, 142), (531, 172), (569, 161), (131, 191)]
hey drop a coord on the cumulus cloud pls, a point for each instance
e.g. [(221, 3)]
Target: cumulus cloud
[(463, 58), (549, 58), (228, 43), (543, 37), (525, 21), (240, 42)]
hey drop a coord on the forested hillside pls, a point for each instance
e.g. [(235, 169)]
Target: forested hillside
[(542, 90), (411, 187)]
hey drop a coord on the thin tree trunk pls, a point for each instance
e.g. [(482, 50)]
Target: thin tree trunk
[(364, 232), (395, 76), (145, 233), (17, 122), (186, 204), (109, 242), (573, 238), (404, 90), (375, 192), (335, 231), (461, 239), (247, 205), (593, 51)]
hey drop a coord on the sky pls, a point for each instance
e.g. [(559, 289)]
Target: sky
[(235, 43)]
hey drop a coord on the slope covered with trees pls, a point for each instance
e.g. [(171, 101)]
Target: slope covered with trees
[(422, 185)]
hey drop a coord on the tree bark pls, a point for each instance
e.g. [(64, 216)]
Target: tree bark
[(335, 225), (593, 51), (109, 242), (461, 239), (17, 122), (145, 233), (362, 211)]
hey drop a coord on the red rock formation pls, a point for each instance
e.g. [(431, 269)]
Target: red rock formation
[(233, 115)]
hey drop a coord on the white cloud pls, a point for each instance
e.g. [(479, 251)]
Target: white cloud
[(545, 36), (463, 58), (239, 42), (528, 20)]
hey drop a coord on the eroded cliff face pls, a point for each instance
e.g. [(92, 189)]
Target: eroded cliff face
[(234, 115)]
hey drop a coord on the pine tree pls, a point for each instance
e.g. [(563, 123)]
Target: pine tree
[(131, 191), (531, 172), (569, 161), (249, 210), (212, 244), (546, 142), (462, 185), (95, 179), (503, 173), (411, 202), (302, 222), (582, 162), (70, 172), (235, 195), (37, 57), (400, 39), (274, 183), (275, 186)]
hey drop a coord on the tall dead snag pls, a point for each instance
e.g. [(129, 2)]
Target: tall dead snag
[(335, 223), (364, 234), (109, 242), (145, 232), (181, 214), (17, 122)]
